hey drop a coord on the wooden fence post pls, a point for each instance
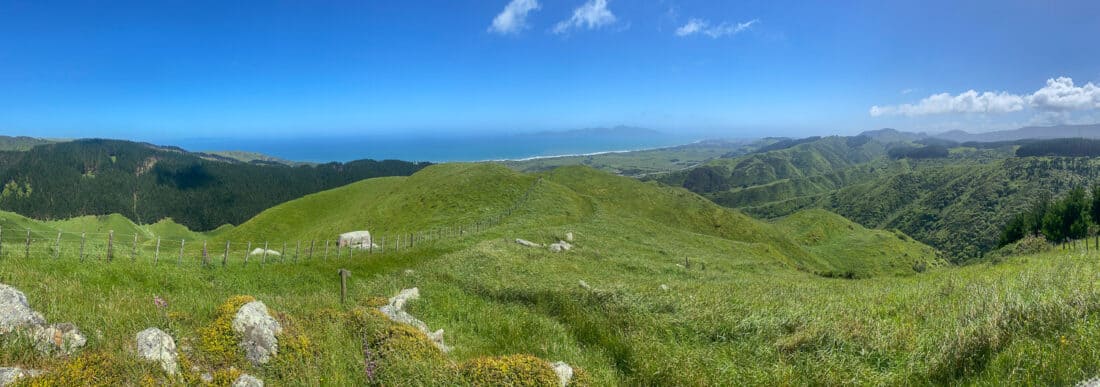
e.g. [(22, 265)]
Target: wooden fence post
[(382, 244), (282, 253), (344, 273), (133, 249), (370, 245), (263, 260), (247, 252), (82, 247), (110, 245), (27, 249), (156, 253), (225, 258), (57, 249), (179, 260), (326, 249), (310, 257), (297, 247), (205, 259)]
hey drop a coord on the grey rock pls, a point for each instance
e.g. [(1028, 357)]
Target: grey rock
[(357, 239), (395, 311), (10, 375), (207, 377), (260, 251), (664, 287), (246, 380), (155, 345), (258, 331), (15, 312), (560, 246), (569, 237), (584, 285), (564, 372), (527, 243), (64, 338)]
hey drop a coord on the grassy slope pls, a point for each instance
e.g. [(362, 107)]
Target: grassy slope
[(747, 317)]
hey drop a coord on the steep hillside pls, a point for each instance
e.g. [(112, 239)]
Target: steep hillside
[(661, 287), (148, 183)]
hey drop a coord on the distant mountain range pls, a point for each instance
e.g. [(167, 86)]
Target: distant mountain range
[(1030, 132)]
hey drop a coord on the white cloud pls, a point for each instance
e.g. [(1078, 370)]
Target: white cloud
[(592, 15), (700, 26), (968, 102), (513, 18), (1059, 95)]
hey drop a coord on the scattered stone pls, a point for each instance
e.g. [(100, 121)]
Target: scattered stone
[(15, 313), (664, 287), (395, 311), (10, 375), (246, 380), (258, 330), (527, 243), (155, 345), (409, 272), (560, 246), (260, 251), (64, 338), (564, 371), (207, 377), (584, 285), (569, 237)]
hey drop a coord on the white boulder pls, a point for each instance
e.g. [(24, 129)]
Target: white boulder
[(64, 338), (258, 331), (560, 246), (395, 311), (569, 237), (15, 313), (527, 243), (10, 375), (564, 372), (357, 239), (246, 380), (155, 345), (260, 251)]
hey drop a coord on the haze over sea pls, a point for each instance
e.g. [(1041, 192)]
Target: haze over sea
[(435, 148)]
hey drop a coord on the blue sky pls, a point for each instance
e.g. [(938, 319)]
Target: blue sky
[(159, 70)]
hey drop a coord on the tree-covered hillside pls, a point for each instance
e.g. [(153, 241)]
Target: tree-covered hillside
[(148, 183)]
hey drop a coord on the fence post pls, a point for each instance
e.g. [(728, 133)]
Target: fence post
[(57, 250), (156, 253), (297, 247), (180, 259), (1, 241), (133, 249), (310, 257), (82, 247), (344, 273), (370, 245), (225, 258), (110, 245), (326, 249), (263, 260), (247, 252), (27, 249), (205, 259), (282, 253), (382, 244)]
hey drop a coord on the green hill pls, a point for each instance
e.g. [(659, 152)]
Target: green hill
[(147, 183), (662, 287)]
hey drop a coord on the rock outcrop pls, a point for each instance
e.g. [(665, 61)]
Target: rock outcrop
[(527, 243), (355, 239), (10, 375), (15, 312), (395, 311), (16, 315), (155, 345), (560, 246), (564, 372), (258, 331), (246, 380)]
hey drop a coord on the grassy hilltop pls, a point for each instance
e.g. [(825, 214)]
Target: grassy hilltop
[(742, 300)]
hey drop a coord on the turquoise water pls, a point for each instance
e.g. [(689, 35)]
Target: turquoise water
[(437, 148)]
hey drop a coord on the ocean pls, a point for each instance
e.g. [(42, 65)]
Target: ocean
[(434, 148)]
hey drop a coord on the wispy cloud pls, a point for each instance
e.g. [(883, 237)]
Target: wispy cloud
[(513, 18), (591, 15), (1059, 95), (700, 26)]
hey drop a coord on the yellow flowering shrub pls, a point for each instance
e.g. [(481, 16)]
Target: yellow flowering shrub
[(218, 340), (513, 370)]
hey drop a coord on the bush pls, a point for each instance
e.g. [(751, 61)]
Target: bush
[(1032, 244), (514, 370)]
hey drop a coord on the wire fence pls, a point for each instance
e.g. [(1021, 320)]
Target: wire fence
[(146, 248)]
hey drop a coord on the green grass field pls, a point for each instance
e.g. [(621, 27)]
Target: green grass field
[(747, 302)]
